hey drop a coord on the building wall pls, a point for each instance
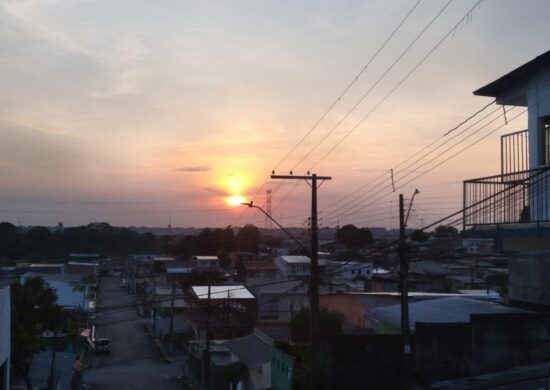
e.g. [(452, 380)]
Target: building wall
[(5, 337), (347, 305), (528, 279), (282, 370), (538, 107)]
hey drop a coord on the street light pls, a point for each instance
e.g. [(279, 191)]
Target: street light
[(252, 205)]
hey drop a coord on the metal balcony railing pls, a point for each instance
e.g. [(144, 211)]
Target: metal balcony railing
[(517, 197), (514, 152)]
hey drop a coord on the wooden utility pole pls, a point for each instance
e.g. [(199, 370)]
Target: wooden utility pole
[(312, 180)]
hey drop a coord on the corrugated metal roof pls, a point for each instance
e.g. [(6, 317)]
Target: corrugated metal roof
[(222, 292), (250, 350), (442, 310)]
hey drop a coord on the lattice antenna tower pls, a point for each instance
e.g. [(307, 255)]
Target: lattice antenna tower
[(268, 223)]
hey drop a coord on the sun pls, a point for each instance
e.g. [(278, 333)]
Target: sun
[(235, 200)]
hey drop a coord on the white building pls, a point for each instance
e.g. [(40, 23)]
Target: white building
[(206, 262), (295, 266), (5, 337), (353, 269)]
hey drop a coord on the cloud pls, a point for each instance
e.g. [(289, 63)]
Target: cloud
[(192, 169)]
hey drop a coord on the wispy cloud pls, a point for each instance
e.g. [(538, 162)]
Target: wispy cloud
[(192, 169)]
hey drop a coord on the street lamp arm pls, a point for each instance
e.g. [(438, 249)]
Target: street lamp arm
[(252, 205)]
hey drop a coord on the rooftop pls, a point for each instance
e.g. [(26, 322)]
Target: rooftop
[(82, 264), (250, 350), (163, 258), (296, 259), (517, 77), (259, 265), (69, 278), (441, 310), (222, 292), (205, 257)]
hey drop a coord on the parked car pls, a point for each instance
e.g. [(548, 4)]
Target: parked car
[(123, 283), (102, 346)]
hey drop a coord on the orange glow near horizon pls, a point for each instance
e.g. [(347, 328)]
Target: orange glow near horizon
[(235, 200)]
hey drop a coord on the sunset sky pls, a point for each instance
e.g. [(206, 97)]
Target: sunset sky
[(137, 112)]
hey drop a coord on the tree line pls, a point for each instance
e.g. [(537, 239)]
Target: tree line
[(43, 243)]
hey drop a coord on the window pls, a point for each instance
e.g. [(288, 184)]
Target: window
[(546, 141)]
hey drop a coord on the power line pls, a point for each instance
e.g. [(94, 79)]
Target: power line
[(465, 18), (351, 83), (348, 206), (349, 112), (338, 99)]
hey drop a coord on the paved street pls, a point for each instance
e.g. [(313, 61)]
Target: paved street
[(135, 362)]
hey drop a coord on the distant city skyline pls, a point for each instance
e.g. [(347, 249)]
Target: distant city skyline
[(138, 114)]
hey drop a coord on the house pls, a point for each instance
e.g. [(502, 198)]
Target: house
[(277, 302), (478, 246), (5, 336), (353, 305), (237, 257), (453, 309), (81, 268), (282, 369), (295, 266), (255, 354), (351, 270), (513, 207), (256, 269), (72, 291), (47, 268), (226, 311), (206, 263)]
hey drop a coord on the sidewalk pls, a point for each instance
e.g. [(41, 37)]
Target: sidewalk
[(165, 355)]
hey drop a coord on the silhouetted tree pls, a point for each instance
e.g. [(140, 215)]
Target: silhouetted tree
[(33, 311), (248, 239), (419, 236), (353, 237), (10, 242)]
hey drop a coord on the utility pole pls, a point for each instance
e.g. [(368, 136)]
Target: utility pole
[(268, 224), (403, 271), (403, 274), (206, 353), (312, 180), (172, 305)]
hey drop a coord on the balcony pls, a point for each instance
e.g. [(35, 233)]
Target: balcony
[(508, 198)]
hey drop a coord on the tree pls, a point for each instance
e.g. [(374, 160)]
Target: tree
[(499, 281), (33, 311), (419, 236), (330, 325), (353, 237), (10, 243), (446, 230), (39, 240), (248, 239)]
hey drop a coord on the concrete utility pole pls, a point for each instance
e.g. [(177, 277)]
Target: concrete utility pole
[(312, 180), (206, 353), (403, 274)]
